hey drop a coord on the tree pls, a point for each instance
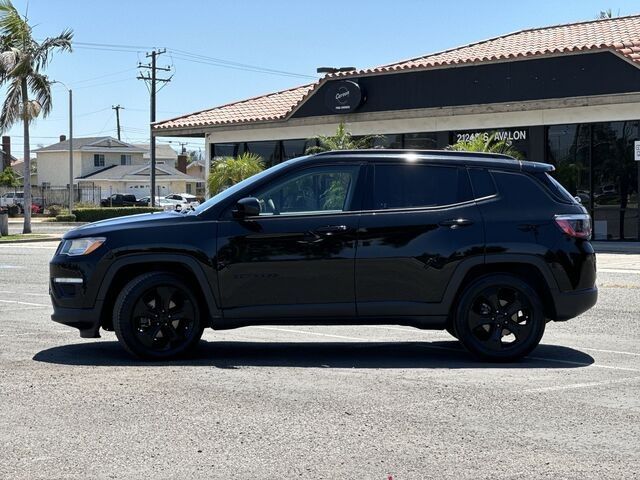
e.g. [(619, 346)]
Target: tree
[(487, 143), (228, 171), (8, 178), (604, 14), (22, 59), (342, 140)]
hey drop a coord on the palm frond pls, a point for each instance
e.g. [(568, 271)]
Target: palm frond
[(228, 171), (43, 51), (13, 25), (12, 106), (41, 88)]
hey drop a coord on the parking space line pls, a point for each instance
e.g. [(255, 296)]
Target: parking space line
[(605, 351), (25, 303), (10, 310), (26, 293), (580, 385), (618, 270)]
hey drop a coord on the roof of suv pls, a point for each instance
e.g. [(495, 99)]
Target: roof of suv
[(493, 160)]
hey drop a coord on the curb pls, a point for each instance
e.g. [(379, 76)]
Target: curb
[(31, 240)]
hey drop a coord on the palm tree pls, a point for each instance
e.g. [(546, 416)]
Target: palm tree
[(489, 144), (22, 59), (228, 171), (342, 140)]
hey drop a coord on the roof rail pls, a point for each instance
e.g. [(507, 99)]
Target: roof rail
[(439, 153)]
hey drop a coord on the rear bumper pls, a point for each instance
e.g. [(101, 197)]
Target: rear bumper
[(571, 304), (87, 320)]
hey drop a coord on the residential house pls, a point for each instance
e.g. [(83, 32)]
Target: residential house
[(113, 165), (196, 169)]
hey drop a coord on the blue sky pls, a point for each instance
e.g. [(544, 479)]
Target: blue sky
[(292, 36)]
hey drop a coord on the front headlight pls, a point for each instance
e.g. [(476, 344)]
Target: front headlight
[(81, 246)]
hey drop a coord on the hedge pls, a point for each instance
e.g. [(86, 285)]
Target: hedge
[(66, 218), (95, 214)]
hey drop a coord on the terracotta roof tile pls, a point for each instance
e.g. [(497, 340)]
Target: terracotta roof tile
[(272, 106), (621, 35)]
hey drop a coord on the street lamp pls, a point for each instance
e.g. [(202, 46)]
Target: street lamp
[(70, 143)]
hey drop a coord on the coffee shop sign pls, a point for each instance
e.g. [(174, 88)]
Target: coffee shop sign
[(499, 135)]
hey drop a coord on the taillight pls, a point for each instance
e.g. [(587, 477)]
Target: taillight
[(576, 225)]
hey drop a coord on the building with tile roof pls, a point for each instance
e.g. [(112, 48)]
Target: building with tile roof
[(564, 94)]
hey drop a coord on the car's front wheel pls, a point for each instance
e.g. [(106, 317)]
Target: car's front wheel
[(499, 318), (156, 316)]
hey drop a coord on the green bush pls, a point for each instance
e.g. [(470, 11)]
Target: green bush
[(55, 210), (95, 214), (66, 218)]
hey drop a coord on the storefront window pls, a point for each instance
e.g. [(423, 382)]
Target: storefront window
[(393, 140), (615, 180), (269, 151), (296, 148), (595, 163), (568, 149), (220, 150), (421, 141)]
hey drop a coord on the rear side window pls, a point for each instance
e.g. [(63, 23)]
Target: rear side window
[(555, 187), (482, 183), (415, 185)]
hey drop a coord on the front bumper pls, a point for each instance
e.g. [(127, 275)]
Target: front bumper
[(571, 304), (87, 320)]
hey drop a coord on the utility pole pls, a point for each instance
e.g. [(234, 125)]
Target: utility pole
[(117, 108), (153, 79), (183, 147), (70, 150)]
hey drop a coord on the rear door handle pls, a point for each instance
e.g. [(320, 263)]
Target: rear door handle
[(456, 222), (330, 230)]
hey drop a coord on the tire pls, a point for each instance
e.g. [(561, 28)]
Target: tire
[(144, 317), (499, 318)]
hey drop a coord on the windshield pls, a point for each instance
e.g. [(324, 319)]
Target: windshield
[(223, 195)]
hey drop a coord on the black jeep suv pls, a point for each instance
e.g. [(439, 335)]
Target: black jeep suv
[(485, 246)]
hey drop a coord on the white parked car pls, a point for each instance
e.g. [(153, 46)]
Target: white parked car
[(184, 200), (161, 202), (12, 198)]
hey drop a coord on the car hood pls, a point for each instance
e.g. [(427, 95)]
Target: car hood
[(142, 220)]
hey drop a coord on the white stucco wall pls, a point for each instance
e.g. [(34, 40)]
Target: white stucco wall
[(53, 167)]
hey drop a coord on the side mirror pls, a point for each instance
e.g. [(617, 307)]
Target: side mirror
[(247, 207)]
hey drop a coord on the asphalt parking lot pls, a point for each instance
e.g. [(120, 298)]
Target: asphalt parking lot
[(322, 402)]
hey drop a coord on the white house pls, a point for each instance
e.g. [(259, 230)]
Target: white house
[(94, 164)]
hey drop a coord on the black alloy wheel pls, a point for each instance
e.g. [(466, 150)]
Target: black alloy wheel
[(157, 317), (500, 318)]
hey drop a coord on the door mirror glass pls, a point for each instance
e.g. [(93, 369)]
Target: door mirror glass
[(247, 207)]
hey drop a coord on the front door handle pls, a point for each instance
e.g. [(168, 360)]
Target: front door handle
[(456, 223), (330, 230)]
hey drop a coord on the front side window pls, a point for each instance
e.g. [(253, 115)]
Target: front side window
[(98, 160), (415, 186), (313, 191)]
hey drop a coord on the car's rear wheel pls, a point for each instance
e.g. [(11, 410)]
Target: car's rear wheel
[(156, 316), (499, 318)]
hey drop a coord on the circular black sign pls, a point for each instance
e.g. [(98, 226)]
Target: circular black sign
[(343, 96)]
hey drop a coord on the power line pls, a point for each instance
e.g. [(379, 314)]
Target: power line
[(191, 57)]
